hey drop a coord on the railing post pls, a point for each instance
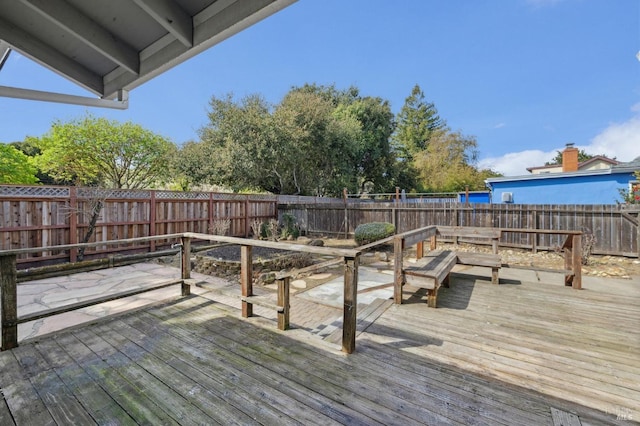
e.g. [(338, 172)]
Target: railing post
[(8, 302), (398, 278), (283, 300), (568, 260), (186, 265), (350, 304), (577, 261), (246, 279)]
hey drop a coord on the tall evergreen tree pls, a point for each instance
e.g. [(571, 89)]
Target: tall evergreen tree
[(417, 122)]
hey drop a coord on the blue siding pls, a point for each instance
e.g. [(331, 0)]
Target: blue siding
[(587, 189), (475, 197)]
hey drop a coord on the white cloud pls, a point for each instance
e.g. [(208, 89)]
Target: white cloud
[(499, 125), (516, 163), (619, 140)]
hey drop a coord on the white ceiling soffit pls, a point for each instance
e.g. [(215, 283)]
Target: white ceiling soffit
[(111, 47)]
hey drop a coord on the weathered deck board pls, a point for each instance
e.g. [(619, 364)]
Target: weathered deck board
[(512, 354), (532, 335)]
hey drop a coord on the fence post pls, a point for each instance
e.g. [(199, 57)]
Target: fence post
[(152, 220), (8, 302), (346, 213), (350, 304), (186, 265), (73, 223), (247, 224), (246, 279)]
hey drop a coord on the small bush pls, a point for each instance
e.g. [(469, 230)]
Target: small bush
[(374, 231), (289, 227)]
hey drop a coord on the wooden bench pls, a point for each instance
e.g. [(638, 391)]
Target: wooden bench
[(493, 261), (431, 272)]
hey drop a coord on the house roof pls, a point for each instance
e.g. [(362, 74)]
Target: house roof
[(108, 47), (634, 164), (620, 168), (580, 165)]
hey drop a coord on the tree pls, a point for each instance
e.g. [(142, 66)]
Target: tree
[(316, 141), (372, 156), (28, 148), (417, 122), (16, 167), (105, 153), (447, 163), (319, 147), (237, 146)]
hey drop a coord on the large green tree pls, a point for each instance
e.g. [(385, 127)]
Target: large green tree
[(105, 153), (417, 122), (316, 141), (431, 156), (15, 166)]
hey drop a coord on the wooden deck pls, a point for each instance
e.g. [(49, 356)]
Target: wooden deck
[(514, 354)]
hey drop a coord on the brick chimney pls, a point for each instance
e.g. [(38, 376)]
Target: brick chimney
[(570, 158)]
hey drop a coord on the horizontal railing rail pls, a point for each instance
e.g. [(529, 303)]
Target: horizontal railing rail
[(9, 318)]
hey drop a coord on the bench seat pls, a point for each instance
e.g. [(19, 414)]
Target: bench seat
[(431, 272), (493, 261)]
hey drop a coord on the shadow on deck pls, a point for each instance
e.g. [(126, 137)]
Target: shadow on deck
[(511, 354)]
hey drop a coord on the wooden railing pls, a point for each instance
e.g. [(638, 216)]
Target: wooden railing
[(572, 247), (9, 318)]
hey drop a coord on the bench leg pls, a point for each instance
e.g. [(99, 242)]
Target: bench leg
[(432, 295), (494, 276)]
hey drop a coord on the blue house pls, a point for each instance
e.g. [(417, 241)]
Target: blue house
[(600, 186)]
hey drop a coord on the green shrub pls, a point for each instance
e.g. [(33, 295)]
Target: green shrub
[(290, 227), (374, 231)]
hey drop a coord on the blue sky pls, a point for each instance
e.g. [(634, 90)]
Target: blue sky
[(524, 77)]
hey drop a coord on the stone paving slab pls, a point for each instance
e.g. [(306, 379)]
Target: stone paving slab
[(47, 293), (331, 293)]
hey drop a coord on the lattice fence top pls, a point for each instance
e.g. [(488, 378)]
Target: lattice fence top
[(38, 191), (113, 193), (263, 197), (176, 195), (34, 191)]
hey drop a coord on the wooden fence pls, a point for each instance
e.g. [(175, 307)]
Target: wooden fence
[(615, 227), (41, 216)]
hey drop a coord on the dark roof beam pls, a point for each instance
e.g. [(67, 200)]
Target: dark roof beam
[(44, 54), (172, 18), (212, 25), (88, 32), (5, 49)]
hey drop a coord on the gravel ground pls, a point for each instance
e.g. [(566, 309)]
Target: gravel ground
[(232, 252)]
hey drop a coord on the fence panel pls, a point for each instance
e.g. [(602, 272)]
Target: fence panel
[(615, 228), (40, 216)]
